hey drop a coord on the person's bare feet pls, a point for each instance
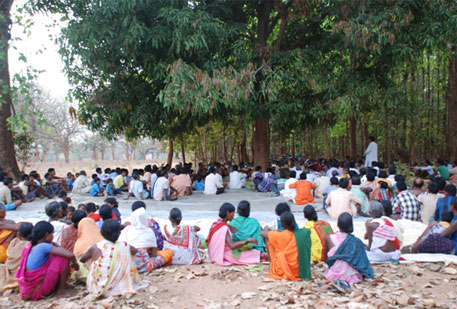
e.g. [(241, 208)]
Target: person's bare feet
[(66, 293)]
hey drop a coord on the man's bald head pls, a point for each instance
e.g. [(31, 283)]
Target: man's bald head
[(418, 183)]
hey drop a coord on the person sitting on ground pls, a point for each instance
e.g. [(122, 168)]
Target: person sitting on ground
[(71, 180), (8, 231), (183, 183), (54, 212), (237, 179), (70, 232), (289, 250), (222, 250), (428, 202), (346, 256), (96, 189), (304, 191), (62, 197), (333, 186), (162, 190), (64, 207), (290, 193), (370, 184), (91, 210), (431, 240), (119, 181), (406, 205), (106, 213), (340, 201), (355, 188), (280, 208), (443, 204), (112, 202), (81, 184), (152, 224), (139, 235), (319, 231), (88, 235), (266, 181), (44, 267), (280, 183), (8, 278), (199, 184), (442, 170), (244, 227), (322, 183), (382, 192), (187, 245), (71, 211), (31, 189), (383, 243), (112, 271), (111, 189), (50, 186), (213, 183), (418, 184), (6, 197), (137, 188), (24, 186)]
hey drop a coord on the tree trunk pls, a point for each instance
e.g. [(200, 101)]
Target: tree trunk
[(452, 106), (205, 147), (243, 148), (261, 144), (353, 134), (127, 151), (102, 153), (183, 152), (94, 153), (8, 161), (113, 151), (292, 145), (66, 153), (170, 152)]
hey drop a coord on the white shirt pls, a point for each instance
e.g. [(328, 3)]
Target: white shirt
[(371, 153), (237, 180), (5, 195), (23, 187), (136, 187), (212, 182), (80, 183), (161, 184)]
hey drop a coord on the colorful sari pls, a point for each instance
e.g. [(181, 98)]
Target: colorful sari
[(186, 244), (154, 225), (289, 255), (221, 254), (384, 233), (319, 231), (8, 273), (248, 228), (4, 234), (88, 235), (347, 259), (114, 273), (38, 283), (69, 237)]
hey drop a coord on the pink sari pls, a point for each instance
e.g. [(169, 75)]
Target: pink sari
[(220, 253), (38, 283), (341, 270)]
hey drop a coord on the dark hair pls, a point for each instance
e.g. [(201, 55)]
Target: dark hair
[(293, 174), (401, 186), (433, 188), (418, 183), (244, 209), (235, 168), (25, 230), (287, 220), (454, 202), (63, 205), (61, 194), (345, 223), (106, 212), (24, 177), (282, 207), (78, 216), (52, 209), (303, 176), (334, 181), (450, 189), (382, 174), (135, 175), (344, 183), (112, 201), (7, 181), (224, 209), (356, 180), (392, 170), (310, 213), (91, 207), (94, 177), (175, 215), (283, 173), (441, 183), (447, 216), (40, 230), (138, 204), (71, 209), (372, 138), (383, 184), (387, 207), (111, 230), (363, 171), (370, 176), (98, 170)]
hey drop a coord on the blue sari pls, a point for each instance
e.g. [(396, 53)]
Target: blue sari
[(248, 228)]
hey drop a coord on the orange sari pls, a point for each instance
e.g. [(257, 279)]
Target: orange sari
[(283, 251)]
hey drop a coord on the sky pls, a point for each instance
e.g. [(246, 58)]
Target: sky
[(31, 43)]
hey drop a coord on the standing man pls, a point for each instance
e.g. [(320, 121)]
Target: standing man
[(371, 153)]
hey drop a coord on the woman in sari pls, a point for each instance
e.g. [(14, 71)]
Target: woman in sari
[(54, 212), (152, 224), (319, 231), (222, 249), (289, 250), (88, 235), (346, 256), (140, 236), (70, 232), (17, 245), (44, 266), (244, 227), (112, 271), (183, 240), (8, 229)]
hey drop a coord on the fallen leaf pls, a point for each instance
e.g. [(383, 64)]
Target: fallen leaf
[(429, 302), (450, 271), (248, 295), (235, 303)]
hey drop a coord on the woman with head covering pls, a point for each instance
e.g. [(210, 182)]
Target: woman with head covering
[(244, 227), (319, 231), (183, 240), (222, 249), (139, 235), (70, 232), (346, 256), (88, 235)]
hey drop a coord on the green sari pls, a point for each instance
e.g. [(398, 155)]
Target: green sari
[(248, 228)]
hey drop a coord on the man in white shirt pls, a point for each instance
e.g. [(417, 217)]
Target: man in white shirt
[(371, 152), (136, 188), (237, 179), (6, 197), (162, 191), (290, 193), (213, 183), (81, 184), (321, 184)]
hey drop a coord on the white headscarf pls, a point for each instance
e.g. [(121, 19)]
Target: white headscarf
[(138, 234)]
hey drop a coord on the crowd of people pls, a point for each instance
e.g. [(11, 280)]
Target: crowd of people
[(95, 245)]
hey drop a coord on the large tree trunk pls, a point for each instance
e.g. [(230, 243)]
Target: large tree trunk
[(170, 152), (8, 161), (261, 144), (66, 152), (243, 148), (113, 151), (353, 136), (452, 107), (183, 152)]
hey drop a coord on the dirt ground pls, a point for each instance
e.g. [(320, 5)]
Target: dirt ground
[(210, 286)]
